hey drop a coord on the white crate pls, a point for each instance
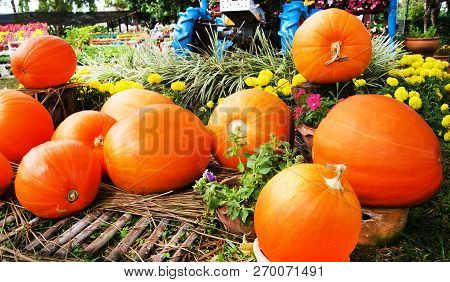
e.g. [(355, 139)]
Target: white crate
[(237, 5)]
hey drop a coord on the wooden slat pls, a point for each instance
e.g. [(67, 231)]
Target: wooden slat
[(128, 241), (37, 242), (182, 249), (106, 236), (172, 243), (83, 235), (7, 221), (70, 233), (145, 250), (28, 225)]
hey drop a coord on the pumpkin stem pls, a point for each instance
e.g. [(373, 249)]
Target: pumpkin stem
[(335, 183), (98, 141), (335, 53), (238, 127), (72, 196)]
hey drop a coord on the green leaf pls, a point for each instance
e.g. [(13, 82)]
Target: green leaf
[(241, 167)]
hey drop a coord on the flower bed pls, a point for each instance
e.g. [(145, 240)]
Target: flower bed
[(19, 32)]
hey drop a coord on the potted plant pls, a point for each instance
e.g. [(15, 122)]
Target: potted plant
[(443, 53), (425, 43), (310, 110)]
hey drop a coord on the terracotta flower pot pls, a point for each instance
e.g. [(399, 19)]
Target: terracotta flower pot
[(382, 225), (234, 225), (441, 57), (426, 46), (307, 134)]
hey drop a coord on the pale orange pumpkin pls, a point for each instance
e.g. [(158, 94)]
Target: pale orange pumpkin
[(163, 148), (128, 102), (253, 115), (392, 155), (57, 179), (308, 212), (331, 46), (6, 174), (24, 124), (43, 61), (87, 127)]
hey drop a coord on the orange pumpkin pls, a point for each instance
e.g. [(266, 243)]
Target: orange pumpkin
[(57, 179), (128, 102), (253, 114), (6, 174), (331, 46), (43, 61), (163, 148), (392, 155), (88, 127), (308, 212), (24, 124)]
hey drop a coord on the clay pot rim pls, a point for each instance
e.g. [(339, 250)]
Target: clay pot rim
[(259, 255), (422, 38)]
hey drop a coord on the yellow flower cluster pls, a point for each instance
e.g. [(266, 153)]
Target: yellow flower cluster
[(210, 104), (415, 66), (446, 122), (37, 32), (178, 86), (84, 70), (444, 108), (298, 79), (401, 94), (359, 82), (282, 86), (111, 88), (154, 78), (447, 87)]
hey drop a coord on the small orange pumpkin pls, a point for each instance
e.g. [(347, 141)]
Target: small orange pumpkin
[(43, 61), (58, 178), (331, 46), (308, 212), (252, 113), (24, 124), (163, 148), (128, 102), (392, 155), (88, 127), (6, 174)]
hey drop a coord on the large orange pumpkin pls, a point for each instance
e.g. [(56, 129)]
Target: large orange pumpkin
[(57, 179), (253, 114), (331, 46), (43, 61), (392, 154), (24, 124), (308, 212), (128, 102), (6, 174), (163, 148), (88, 127)]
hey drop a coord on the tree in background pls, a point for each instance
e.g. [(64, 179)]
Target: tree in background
[(162, 11), (65, 5), (432, 9)]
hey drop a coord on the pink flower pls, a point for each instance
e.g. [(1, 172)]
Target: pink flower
[(297, 112), (299, 93), (313, 101)]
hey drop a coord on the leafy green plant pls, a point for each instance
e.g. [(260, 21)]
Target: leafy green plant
[(416, 32), (79, 37), (267, 160)]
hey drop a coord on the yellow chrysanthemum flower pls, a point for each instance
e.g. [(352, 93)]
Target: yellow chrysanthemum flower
[(444, 108), (220, 100), (20, 86), (287, 90), (283, 83), (387, 95), (94, 84), (427, 65), (359, 83), (178, 86), (298, 79), (401, 94), (84, 70), (210, 104), (439, 94), (447, 87), (154, 78), (394, 72), (415, 103), (414, 94), (417, 64), (392, 81), (270, 89), (446, 121), (447, 136), (106, 87), (267, 73), (251, 81), (263, 80)]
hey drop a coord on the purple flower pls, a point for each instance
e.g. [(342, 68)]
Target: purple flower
[(209, 176), (313, 101)]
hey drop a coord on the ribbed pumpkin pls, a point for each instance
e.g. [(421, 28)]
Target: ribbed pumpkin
[(331, 46), (252, 113), (57, 179), (128, 102), (163, 148), (24, 124), (87, 127), (392, 155), (43, 61), (6, 174), (308, 212)]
